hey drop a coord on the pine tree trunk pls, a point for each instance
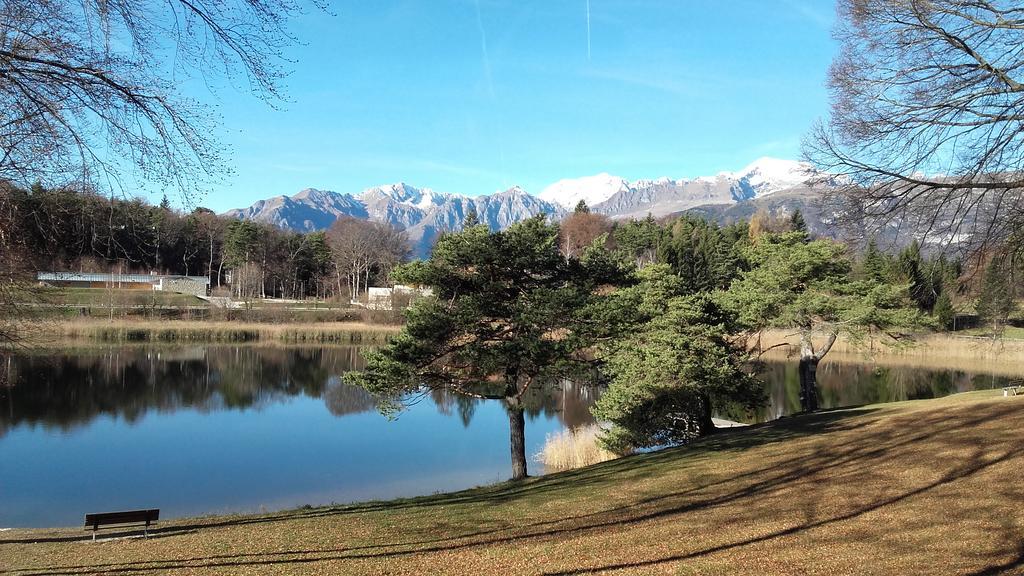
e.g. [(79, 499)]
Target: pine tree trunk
[(808, 383), (517, 437), (809, 359), (707, 423)]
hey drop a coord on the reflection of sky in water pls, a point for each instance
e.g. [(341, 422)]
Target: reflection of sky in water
[(211, 444)]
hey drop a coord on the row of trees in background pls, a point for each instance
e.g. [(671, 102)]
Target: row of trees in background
[(65, 229)]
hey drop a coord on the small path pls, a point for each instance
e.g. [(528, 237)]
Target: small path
[(723, 423), (220, 301)]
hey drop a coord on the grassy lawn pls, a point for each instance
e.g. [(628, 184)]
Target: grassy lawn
[(101, 297), (932, 486)]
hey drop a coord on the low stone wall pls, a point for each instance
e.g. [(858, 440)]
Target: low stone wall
[(182, 286)]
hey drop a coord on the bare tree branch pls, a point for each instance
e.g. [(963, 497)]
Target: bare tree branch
[(90, 91), (927, 123)]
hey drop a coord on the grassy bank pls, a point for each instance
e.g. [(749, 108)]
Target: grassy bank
[(140, 330), (929, 486)]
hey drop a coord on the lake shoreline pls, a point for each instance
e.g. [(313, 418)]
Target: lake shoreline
[(54, 333), (878, 468), (49, 333)]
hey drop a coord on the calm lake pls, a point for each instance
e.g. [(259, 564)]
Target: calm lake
[(206, 430)]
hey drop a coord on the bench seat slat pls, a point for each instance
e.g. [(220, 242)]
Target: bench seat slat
[(123, 517)]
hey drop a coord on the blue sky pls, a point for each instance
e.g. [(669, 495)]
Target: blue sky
[(470, 97)]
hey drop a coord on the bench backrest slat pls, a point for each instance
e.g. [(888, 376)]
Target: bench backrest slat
[(124, 517)]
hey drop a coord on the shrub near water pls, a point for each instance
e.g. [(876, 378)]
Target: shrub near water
[(573, 448)]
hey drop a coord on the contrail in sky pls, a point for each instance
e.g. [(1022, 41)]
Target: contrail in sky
[(588, 29), (483, 49), (490, 90)]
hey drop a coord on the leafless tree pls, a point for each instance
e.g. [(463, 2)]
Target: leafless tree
[(392, 249), (927, 120), (211, 229), (17, 292), (361, 248), (91, 90), (247, 281), (579, 230)]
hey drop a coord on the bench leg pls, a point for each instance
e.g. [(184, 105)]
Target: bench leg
[(145, 531)]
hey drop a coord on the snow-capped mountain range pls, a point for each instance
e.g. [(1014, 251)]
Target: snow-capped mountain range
[(762, 177), (424, 213)]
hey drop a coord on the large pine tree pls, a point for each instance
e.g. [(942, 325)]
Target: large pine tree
[(808, 286), (508, 313)]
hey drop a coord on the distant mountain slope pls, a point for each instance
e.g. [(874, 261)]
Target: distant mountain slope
[(591, 189), (421, 212), (499, 211), (780, 204), (822, 220), (763, 177), (618, 198), (424, 214), (661, 197), (309, 210)]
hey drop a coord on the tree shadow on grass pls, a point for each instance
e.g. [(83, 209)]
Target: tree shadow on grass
[(939, 429)]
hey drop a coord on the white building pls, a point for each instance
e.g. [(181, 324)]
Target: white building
[(195, 285), (394, 298)]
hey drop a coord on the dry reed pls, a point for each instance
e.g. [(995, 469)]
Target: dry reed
[(205, 331), (945, 347), (573, 448)]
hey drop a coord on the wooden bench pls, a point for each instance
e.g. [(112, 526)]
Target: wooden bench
[(122, 520)]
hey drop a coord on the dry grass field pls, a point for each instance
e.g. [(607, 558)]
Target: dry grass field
[(143, 330), (951, 350), (919, 487)]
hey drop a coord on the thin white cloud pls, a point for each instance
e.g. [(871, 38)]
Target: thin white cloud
[(483, 51), (810, 13), (667, 84)]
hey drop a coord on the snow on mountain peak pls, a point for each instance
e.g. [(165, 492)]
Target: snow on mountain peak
[(316, 196), (767, 175), (422, 198), (591, 189)]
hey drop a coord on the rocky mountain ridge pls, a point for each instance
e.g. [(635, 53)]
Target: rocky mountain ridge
[(424, 213)]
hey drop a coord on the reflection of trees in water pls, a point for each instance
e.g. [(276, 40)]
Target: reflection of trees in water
[(849, 384), (449, 403), (66, 391), (342, 399), (72, 390), (567, 401)]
